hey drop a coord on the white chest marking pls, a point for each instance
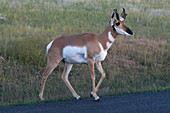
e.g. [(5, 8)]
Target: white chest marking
[(111, 38), (74, 54), (101, 56), (108, 45), (49, 45)]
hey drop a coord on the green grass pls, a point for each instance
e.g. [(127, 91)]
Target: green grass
[(133, 64)]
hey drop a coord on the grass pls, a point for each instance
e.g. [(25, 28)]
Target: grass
[(135, 64)]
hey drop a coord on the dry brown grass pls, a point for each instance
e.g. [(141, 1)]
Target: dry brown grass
[(124, 68)]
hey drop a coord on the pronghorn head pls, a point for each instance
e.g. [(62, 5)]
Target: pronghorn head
[(118, 23)]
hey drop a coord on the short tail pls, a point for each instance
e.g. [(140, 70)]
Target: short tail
[(49, 46)]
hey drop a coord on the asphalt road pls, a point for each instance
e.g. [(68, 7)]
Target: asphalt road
[(158, 102)]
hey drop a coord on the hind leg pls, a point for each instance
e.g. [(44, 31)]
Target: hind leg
[(45, 75), (51, 65), (67, 69)]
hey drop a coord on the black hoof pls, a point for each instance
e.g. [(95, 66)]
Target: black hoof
[(91, 95), (79, 99), (97, 100)]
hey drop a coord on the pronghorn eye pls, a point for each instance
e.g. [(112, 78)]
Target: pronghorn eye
[(118, 23)]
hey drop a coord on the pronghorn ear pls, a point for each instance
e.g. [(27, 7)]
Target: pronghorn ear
[(123, 15), (115, 10), (112, 16), (113, 13), (117, 15)]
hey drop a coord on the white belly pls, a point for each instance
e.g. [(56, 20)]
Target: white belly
[(74, 54)]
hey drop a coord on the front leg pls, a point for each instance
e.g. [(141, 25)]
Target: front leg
[(92, 72), (100, 69)]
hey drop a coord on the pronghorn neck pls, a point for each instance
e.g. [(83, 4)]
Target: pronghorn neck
[(107, 37), (111, 29)]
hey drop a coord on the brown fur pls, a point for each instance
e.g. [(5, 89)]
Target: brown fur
[(90, 40)]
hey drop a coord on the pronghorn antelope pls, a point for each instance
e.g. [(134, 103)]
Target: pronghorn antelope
[(86, 48)]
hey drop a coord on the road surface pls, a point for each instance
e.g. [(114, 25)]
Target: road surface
[(158, 102)]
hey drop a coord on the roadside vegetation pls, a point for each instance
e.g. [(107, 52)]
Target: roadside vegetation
[(135, 64)]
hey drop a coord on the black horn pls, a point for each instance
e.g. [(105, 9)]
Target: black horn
[(123, 14), (117, 16)]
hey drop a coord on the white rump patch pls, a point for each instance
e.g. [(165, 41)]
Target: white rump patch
[(49, 46), (75, 54), (101, 56), (122, 32)]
